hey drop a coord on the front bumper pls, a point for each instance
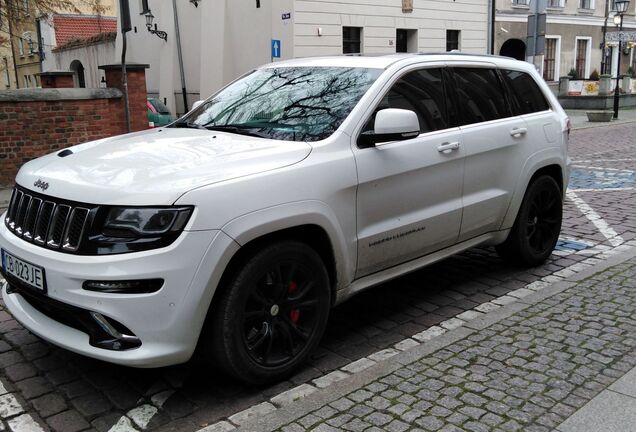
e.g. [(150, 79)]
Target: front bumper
[(167, 322)]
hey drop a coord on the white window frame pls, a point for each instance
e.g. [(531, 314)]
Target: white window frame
[(557, 56), (592, 5), (588, 53), (21, 47)]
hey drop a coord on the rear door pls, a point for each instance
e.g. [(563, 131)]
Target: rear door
[(409, 192), (496, 143)]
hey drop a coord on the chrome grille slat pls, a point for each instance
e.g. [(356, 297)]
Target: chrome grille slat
[(32, 214), (48, 223), (11, 208), (15, 205), (56, 230), (75, 229), (21, 213), (43, 222)]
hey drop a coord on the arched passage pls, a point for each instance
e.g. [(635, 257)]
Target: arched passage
[(514, 48), (78, 68)]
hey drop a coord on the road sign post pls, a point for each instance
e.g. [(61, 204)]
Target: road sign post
[(536, 29)]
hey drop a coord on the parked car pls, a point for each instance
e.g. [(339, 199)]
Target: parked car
[(158, 113), (241, 225)]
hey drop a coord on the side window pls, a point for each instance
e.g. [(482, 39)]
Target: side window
[(421, 91), (481, 96), (526, 94)]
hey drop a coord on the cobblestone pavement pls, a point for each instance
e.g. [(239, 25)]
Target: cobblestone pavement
[(61, 391), (528, 372)]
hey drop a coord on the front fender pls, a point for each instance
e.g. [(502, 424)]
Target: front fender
[(251, 226)]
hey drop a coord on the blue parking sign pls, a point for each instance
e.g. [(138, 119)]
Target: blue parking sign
[(275, 48)]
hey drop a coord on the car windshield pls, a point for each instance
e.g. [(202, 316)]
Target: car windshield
[(287, 103)]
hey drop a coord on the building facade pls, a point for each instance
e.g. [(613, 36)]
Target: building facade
[(573, 40), (223, 39)]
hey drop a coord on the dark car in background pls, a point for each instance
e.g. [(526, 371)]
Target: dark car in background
[(158, 113)]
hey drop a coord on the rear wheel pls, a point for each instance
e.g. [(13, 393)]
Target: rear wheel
[(536, 230), (272, 314)]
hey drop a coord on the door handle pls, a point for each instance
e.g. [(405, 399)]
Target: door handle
[(448, 147), (517, 132)]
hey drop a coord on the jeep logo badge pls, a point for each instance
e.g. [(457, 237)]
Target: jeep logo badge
[(42, 185)]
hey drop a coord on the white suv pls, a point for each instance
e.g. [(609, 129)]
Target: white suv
[(238, 227)]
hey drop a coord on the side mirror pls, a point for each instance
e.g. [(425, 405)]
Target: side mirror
[(196, 104), (391, 124)]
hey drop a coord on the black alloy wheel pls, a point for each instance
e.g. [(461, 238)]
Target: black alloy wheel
[(272, 313), (280, 314), (538, 224)]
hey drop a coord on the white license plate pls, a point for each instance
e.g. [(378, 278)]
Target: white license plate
[(24, 271)]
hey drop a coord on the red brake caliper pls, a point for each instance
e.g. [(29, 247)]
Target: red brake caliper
[(294, 314)]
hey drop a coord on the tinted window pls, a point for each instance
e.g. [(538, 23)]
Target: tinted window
[(526, 94), (421, 91), (481, 97)]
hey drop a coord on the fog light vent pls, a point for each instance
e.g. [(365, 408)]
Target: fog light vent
[(141, 286)]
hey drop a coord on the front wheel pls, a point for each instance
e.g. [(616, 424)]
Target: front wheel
[(538, 225), (272, 313)]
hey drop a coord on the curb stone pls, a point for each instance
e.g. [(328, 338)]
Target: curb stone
[(323, 396)]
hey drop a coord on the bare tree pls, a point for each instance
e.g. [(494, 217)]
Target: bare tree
[(15, 14)]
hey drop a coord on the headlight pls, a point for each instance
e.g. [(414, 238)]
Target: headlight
[(138, 222), (116, 230)]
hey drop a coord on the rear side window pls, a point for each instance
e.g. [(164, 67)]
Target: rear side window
[(421, 91), (480, 95), (527, 97)]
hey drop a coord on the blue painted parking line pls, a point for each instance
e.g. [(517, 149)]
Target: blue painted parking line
[(601, 178)]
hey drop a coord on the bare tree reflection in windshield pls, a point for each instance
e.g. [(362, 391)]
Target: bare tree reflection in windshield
[(288, 103)]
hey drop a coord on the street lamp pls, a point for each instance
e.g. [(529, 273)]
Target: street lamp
[(159, 33), (621, 8)]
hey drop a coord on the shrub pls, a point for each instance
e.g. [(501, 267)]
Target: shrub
[(594, 76), (572, 74)]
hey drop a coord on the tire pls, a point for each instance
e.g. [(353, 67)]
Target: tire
[(537, 226), (271, 315)]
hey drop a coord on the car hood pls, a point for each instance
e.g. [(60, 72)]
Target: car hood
[(155, 167)]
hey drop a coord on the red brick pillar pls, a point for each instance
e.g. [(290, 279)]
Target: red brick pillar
[(136, 75), (57, 79)]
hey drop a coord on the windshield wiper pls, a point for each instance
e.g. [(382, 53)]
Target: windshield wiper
[(187, 124), (239, 129)]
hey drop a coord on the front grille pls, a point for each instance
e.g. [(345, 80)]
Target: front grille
[(46, 221)]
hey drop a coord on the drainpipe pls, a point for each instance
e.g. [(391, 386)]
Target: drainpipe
[(178, 41)]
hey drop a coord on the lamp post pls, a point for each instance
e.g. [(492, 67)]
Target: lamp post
[(159, 33), (621, 8)]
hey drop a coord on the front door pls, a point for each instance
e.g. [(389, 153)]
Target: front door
[(409, 200)]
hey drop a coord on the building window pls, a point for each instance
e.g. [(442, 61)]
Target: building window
[(520, 2), (21, 46), (586, 4), (405, 40), (351, 37), (581, 58), (555, 3), (25, 6), (549, 59), (452, 40)]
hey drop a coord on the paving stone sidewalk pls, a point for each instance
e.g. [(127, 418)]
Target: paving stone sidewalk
[(527, 372)]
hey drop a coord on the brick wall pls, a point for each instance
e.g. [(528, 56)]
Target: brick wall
[(35, 122)]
